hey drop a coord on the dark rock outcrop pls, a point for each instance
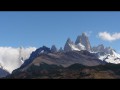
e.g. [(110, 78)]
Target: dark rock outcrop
[(3, 73), (84, 40), (68, 45), (35, 54), (53, 49)]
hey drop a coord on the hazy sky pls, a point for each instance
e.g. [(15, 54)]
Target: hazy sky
[(48, 28)]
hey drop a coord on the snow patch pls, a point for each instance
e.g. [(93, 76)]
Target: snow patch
[(114, 58), (81, 46), (73, 47)]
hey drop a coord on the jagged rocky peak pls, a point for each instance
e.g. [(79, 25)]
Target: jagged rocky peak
[(109, 50), (69, 41), (84, 40), (99, 48), (53, 49), (81, 43), (35, 54), (78, 40), (43, 49), (61, 49), (84, 34), (69, 45), (40, 50)]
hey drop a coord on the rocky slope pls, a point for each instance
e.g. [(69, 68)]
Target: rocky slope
[(75, 71), (64, 59), (59, 59), (3, 73)]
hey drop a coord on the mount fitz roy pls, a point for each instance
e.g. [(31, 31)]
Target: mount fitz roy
[(80, 52), (82, 43), (103, 53)]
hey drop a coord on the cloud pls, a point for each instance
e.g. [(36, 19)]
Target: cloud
[(109, 37), (9, 57)]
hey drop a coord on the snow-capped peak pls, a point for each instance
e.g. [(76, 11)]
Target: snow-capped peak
[(81, 43), (71, 46), (115, 54), (81, 46), (111, 58), (84, 40)]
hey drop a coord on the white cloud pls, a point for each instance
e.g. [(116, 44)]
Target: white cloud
[(9, 57), (109, 37)]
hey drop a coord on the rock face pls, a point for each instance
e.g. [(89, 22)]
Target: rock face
[(83, 39), (75, 71), (106, 54), (38, 52), (64, 59), (3, 73), (53, 49), (99, 48), (70, 46), (61, 50), (109, 50), (82, 43)]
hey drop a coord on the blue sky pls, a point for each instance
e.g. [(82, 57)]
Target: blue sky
[(48, 28)]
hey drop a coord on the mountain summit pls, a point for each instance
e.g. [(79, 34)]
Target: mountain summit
[(103, 53), (70, 46), (84, 40), (81, 43)]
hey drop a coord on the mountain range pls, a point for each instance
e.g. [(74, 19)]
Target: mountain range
[(81, 52)]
